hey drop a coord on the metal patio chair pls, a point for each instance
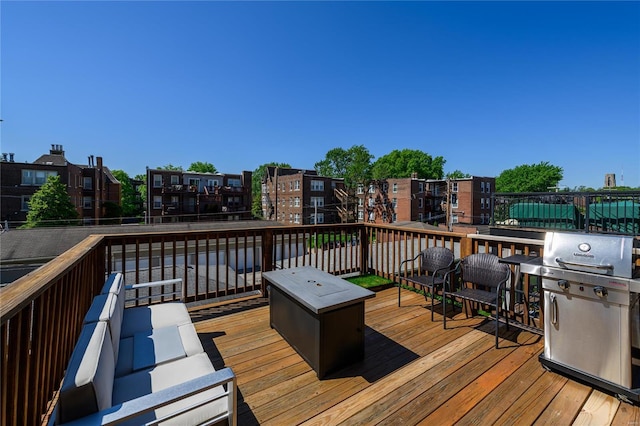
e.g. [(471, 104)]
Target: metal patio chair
[(482, 279), (435, 263)]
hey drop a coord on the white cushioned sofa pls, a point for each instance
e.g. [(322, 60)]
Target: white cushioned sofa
[(140, 365)]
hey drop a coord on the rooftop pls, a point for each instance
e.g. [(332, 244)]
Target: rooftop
[(413, 372)]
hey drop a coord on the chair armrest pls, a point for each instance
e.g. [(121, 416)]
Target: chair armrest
[(407, 260), (161, 284), (453, 270), (131, 409)]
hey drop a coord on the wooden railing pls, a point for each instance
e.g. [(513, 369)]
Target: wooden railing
[(42, 313)]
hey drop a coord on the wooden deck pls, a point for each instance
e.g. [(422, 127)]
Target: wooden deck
[(414, 372)]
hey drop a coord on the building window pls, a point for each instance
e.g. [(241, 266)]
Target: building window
[(317, 185), (317, 201), (395, 188), (175, 180), (394, 203), (394, 217), (454, 218), (372, 189), (296, 202), (157, 201), (87, 183), (234, 182), (194, 184), (24, 205), (175, 200), (290, 186), (420, 202), (488, 187), (385, 187), (317, 218), (371, 202), (36, 177), (86, 202), (454, 186), (482, 202), (296, 185), (420, 217), (296, 218), (454, 201), (360, 188), (360, 215), (360, 202), (157, 181)]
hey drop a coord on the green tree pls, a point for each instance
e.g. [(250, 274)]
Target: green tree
[(202, 167), (129, 199), (256, 186), (142, 189), (457, 174), (171, 167), (403, 163), (353, 165), (529, 178), (51, 206)]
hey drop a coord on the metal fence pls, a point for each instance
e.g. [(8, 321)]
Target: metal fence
[(615, 212)]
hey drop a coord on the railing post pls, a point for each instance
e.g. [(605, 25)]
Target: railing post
[(267, 256), (466, 247), (364, 250)]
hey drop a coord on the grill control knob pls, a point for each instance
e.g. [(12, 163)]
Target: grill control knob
[(563, 284), (600, 291)]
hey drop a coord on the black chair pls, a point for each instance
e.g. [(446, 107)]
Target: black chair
[(435, 263), (482, 279)]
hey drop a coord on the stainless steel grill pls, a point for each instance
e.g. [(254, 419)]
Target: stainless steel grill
[(591, 309)]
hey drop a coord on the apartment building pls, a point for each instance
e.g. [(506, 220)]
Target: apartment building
[(400, 200), (426, 200), (90, 186), (178, 196), (471, 200), (299, 197)]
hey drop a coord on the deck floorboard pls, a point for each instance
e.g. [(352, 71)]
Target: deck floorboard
[(414, 372)]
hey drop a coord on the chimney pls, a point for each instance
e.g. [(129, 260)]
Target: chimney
[(4, 156), (11, 157), (56, 149)]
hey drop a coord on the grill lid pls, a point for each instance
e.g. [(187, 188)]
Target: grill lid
[(597, 253)]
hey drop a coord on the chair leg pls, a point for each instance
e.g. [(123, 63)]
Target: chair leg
[(444, 310), (399, 289), (433, 289)]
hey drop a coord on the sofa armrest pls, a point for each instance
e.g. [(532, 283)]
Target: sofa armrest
[(180, 292), (129, 410)]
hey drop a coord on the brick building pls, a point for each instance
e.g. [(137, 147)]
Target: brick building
[(425, 200), (300, 197), (89, 186), (177, 196)]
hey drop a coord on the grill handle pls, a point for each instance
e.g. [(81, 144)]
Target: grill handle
[(564, 263), (554, 309)]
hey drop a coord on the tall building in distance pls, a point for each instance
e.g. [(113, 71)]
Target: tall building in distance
[(299, 197), (178, 196), (90, 186)]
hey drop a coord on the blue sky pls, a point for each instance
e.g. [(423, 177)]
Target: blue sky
[(487, 85)]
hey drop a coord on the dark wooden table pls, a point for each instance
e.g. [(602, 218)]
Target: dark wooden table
[(320, 315)]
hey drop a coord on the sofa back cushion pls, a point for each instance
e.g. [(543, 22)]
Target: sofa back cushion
[(113, 284), (88, 383), (108, 308)]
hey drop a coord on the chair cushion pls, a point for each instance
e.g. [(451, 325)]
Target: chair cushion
[(145, 318), (164, 376), (113, 284), (106, 307), (88, 383)]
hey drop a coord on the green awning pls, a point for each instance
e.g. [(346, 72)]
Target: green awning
[(619, 216), (547, 215)]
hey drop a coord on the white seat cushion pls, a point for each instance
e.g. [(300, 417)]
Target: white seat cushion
[(145, 318), (164, 376), (88, 383)]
